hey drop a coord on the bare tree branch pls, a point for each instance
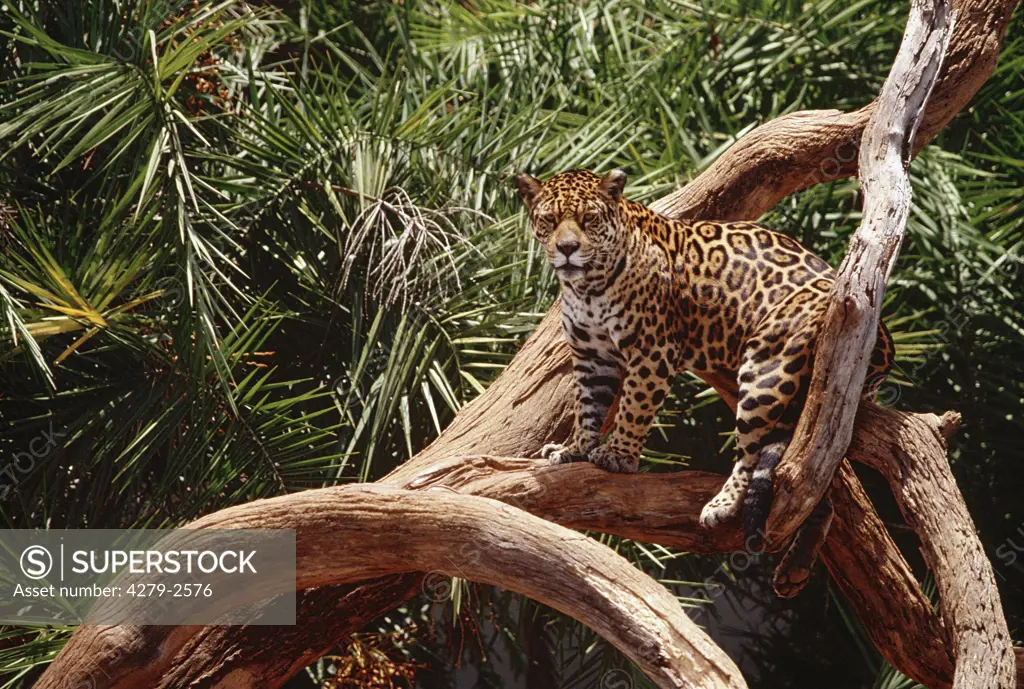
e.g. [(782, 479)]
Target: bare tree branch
[(918, 473), (850, 327), (970, 600), (447, 534), (801, 149)]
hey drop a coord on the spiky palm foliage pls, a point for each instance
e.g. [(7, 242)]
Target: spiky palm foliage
[(253, 248)]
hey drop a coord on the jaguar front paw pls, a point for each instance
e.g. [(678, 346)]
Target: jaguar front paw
[(560, 454), (718, 510), (610, 460)]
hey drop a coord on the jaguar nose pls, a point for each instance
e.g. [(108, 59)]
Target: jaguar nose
[(567, 246)]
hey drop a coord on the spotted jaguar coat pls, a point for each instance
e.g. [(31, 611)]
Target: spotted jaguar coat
[(645, 297)]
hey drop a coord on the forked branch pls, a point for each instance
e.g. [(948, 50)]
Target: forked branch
[(970, 601)]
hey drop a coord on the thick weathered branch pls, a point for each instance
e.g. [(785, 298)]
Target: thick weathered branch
[(970, 601), (804, 148), (897, 616), (529, 405), (661, 508), (918, 472), (356, 532), (850, 327)]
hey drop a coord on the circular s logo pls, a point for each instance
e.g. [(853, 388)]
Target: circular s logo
[(616, 679), (437, 586), (36, 562)]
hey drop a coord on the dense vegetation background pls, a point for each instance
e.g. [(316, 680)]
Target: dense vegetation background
[(253, 248)]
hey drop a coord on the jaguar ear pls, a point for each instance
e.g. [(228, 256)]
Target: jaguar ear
[(529, 188), (612, 184)]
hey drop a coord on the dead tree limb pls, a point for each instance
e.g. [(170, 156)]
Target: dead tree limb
[(357, 532), (529, 405), (897, 616), (924, 488), (850, 327), (661, 508), (801, 149), (917, 470)]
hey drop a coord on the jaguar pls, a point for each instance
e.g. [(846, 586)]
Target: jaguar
[(645, 297)]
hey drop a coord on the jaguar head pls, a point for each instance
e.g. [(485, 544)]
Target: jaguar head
[(576, 216)]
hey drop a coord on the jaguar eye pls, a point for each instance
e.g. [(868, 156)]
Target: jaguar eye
[(591, 218)]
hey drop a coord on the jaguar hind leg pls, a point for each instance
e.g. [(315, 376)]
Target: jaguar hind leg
[(773, 382), (773, 377), (794, 571)]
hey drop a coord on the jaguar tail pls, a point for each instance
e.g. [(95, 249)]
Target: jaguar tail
[(758, 501)]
